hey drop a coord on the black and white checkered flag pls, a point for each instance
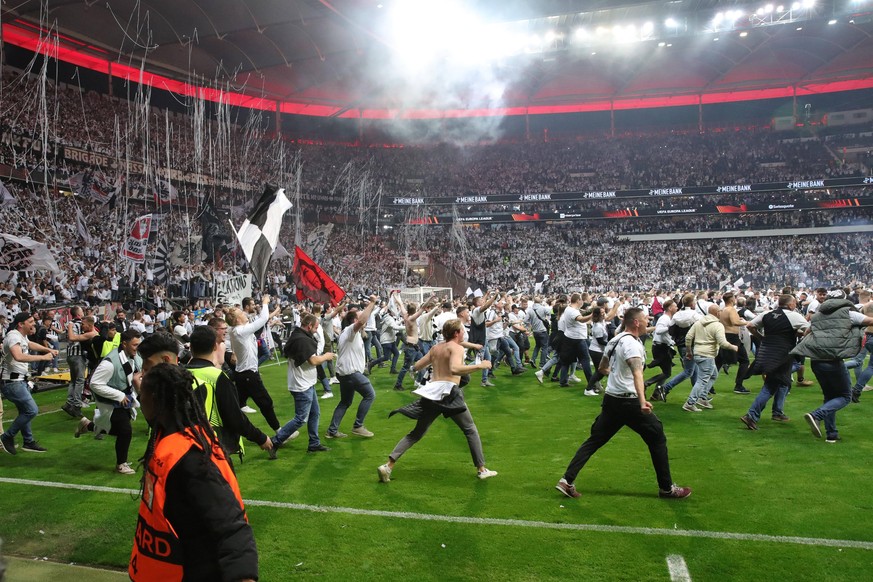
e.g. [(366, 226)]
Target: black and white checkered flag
[(259, 233)]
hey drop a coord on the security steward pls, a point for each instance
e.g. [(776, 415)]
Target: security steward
[(218, 395)]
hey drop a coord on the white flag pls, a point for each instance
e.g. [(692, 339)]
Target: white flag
[(6, 197), (259, 233), (135, 248), (739, 282), (25, 254)]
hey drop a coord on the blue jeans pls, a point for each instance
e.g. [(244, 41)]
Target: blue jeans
[(862, 377), (485, 355), (17, 392), (411, 354), (541, 347), (771, 389), (833, 377), (306, 410), (349, 384), (706, 377), (77, 380), (424, 346), (372, 341), (689, 370)]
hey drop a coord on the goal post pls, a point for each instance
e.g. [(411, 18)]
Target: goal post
[(421, 294)]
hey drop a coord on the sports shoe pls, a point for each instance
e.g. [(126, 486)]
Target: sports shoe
[(399, 387), (8, 444), (573, 379), (487, 383), (805, 382), (750, 424), (658, 394), (55, 371), (780, 418), (725, 368), (333, 381), (327, 395), (832, 438), (362, 432), (273, 453), (591, 393), (486, 473), (124, 469), (293, 436), (742, 390), (384, 472), (335, 435), (33, 447), (539, 376), (856, 396), (248, 410), (867, 388), (84, 423), (518, 371), (317, 449), (704, 403), (567, 489), (71, 410), (690, 407), (813, 424), (675, 492)]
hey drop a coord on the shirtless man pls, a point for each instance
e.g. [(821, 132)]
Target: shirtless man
[(443, 395), (411, 349), (732, 322)]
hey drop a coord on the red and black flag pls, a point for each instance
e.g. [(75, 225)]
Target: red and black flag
[(312, 282)]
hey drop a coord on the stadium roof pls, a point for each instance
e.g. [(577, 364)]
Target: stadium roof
[(360, 58)]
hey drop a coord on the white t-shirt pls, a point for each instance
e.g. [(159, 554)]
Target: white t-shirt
[(350, 352), (301, 378), (574, 329), (621, 377), (598, 330), (10, 364)]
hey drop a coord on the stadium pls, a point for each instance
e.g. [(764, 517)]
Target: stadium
[(634, 152)]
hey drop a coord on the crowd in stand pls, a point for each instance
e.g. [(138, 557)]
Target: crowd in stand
[(368, 258)]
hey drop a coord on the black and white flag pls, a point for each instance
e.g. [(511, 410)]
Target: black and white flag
[(259, 233)]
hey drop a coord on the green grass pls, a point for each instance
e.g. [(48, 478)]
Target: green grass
[(776, 481)]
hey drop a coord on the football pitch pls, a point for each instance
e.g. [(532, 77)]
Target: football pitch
[(776, 503)]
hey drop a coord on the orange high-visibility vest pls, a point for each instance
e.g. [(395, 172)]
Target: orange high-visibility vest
[(156, 554)]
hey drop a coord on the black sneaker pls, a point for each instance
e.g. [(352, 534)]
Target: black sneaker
[(272, 453), (317, 449), (832, 438), (72, 410), (518, 371), (658, 394), (8, 444), (856, 396), (741, 390), (33, 447)]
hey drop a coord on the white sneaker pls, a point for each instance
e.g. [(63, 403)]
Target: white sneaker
[(539, 375), (334, 381), (690, 408), (55, 371), (591, 393), (248, 410), (573, 379), (124, 469), (485, 474), (704, 403), (362, 432), (327, 395), (384, 473)]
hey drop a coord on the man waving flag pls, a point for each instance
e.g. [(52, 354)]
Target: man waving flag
[(259, 233)]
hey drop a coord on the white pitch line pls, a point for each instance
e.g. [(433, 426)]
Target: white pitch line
[(678, 569), (647, 531)]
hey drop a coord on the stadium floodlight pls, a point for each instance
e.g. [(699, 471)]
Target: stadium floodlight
[(718, 18), (662, 43), (550, 36), (581, 33), (671, 23), (780, 8), (759, 12), (795, 6), (799, 28), (832, 21), (744, 34), (768, 9), (808, 3), (647, 29)]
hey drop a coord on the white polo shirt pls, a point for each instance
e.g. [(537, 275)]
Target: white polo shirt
[(621, 377)]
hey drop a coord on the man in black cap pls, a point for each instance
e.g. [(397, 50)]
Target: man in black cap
[(14, 372)]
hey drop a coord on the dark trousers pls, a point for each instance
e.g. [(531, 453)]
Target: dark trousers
[(615, 414), (740, 357), (249, 384), (121, 429), (662, 357)]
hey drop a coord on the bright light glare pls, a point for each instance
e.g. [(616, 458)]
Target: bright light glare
[(832, 21), (808, 3), (718, 18), (744, 34), (768, 8), (648, 28), (795, 6), (780, 8), (671, 23)]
